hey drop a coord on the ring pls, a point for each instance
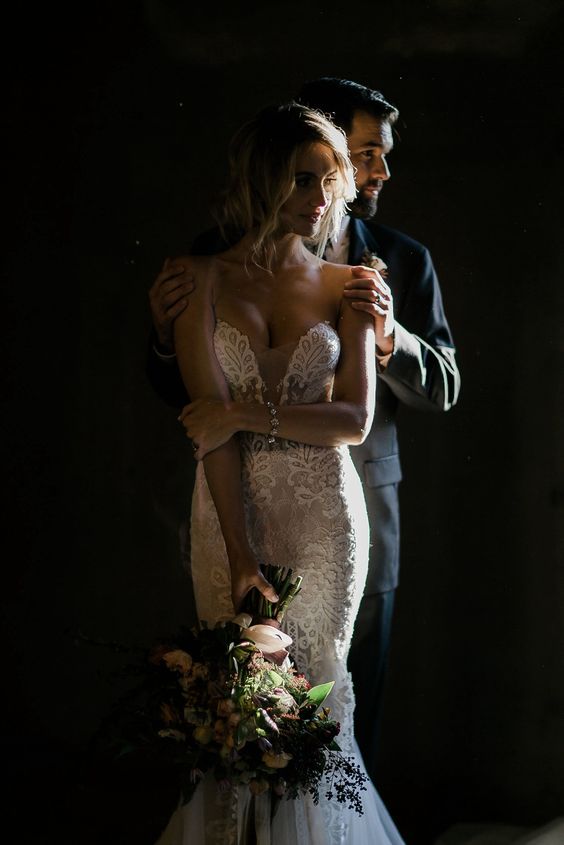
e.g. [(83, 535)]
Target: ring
[(377, 297)]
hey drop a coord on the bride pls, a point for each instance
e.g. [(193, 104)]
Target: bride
[(280, 368)]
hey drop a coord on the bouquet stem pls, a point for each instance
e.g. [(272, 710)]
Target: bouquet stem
[(286, 585)]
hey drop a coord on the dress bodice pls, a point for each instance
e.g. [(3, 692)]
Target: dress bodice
[(295, 373)]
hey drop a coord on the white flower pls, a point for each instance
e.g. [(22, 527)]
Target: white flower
[(243, 619), (268, 639)]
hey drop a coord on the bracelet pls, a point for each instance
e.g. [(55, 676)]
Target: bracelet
[(274, 422)]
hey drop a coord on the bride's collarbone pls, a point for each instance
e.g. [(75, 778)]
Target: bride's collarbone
[(259, 283), (276, 315)]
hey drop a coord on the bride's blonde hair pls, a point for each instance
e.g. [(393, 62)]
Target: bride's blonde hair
[(262, 169)]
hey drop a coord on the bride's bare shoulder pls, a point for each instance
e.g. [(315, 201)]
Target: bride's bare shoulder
[(201, 269), (192, 262), (336, 274)]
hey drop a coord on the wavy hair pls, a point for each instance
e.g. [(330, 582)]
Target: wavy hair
[(262, 169)]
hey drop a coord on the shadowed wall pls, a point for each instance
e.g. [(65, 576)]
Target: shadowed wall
[(119, 132)]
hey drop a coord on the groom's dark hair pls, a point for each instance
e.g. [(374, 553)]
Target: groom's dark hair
[(341, 98)]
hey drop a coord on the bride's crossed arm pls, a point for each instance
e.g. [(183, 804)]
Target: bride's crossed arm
[(204, 381), (346, 420)]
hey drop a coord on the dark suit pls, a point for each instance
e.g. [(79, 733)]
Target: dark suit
[(421, 373)]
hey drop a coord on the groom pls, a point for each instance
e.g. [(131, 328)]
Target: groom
[(416, 364)]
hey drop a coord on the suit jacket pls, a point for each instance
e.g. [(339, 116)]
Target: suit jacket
[(421, 372)]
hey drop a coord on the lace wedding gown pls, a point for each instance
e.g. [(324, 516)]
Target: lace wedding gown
[(305, 509)]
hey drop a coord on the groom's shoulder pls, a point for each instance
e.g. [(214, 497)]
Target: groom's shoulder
[(213, 241), (393, 240)]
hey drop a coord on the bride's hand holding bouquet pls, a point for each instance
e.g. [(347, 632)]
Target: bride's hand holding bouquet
[(246, 576)]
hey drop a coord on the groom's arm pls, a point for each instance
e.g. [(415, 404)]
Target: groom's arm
[(168, 297), (422, 370), (164, 374)]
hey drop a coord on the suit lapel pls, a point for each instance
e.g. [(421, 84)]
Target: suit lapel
[(361, 239)]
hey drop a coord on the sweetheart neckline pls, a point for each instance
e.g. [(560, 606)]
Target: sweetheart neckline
[(282, 345), (295, 349)]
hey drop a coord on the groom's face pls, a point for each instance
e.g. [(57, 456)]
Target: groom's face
[(370, 142)]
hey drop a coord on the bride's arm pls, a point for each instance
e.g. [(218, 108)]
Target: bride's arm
[(348, 417), (204, 379), (345, 420)]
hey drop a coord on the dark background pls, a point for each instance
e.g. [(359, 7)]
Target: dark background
[(117, 119)]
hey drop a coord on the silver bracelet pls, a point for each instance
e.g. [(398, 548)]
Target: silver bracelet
[(274, 422)]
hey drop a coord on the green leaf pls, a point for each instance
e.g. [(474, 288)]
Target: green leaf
[(127, 749), (275, 679), (317, 695)]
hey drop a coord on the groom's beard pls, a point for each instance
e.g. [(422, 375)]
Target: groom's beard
[(363, 207)]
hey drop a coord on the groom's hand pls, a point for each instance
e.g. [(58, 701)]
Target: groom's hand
[(367, 291), (168, 298)]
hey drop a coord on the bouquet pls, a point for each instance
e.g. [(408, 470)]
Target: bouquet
[(228, 700)]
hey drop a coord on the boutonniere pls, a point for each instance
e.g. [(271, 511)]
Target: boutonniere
[(371, 259)]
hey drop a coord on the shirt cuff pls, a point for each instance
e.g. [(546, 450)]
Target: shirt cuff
[(162, 355), (383, 361)]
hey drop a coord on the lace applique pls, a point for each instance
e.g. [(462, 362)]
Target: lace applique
[(238, 362), (311, 369)]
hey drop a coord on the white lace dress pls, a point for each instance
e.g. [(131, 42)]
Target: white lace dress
[(305, 509)]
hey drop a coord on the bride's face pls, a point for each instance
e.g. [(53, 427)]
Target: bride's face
[(315, 179)]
